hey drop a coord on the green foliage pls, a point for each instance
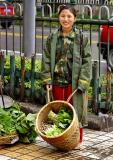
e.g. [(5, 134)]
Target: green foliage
[(17, 69), (27, 63), (27, 84), (6, 123), (25, 128), (90, 92), (14, 120), (54, 130), (59, 121), (64, 117)]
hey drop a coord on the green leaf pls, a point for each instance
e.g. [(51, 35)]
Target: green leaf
[(20, 129)]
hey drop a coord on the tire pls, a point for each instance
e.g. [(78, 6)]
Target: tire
[(103, 49), (104, 53), (6, 24), (110, 58)]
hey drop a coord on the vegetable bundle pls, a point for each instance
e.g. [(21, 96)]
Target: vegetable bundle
[(57, 123), (13, 120)]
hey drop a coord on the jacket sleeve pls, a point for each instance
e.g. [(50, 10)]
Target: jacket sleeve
[(46, 62), (85, 72)]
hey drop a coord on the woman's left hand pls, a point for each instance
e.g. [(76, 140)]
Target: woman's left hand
[(79, 91)]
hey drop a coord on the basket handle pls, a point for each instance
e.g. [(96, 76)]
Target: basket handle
[(69, 98), (1, 91), (49, 94)]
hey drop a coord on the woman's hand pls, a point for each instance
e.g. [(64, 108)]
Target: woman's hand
[(79, 91), (49, 92), (49, 87)]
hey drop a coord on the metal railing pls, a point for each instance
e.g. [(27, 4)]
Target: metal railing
[(80, 2), (11, 43)]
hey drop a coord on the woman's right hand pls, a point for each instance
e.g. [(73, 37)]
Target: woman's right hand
[(49, 92), (49, 87)]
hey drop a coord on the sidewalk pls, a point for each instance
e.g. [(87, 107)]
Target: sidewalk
[(97, 145)]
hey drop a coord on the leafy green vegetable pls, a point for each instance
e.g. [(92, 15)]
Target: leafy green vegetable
[(26, 129), (64, 117), (14, 120), (6, 123), (53, 131), (59, 122)]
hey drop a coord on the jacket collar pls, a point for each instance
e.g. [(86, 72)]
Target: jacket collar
[(70, 35)]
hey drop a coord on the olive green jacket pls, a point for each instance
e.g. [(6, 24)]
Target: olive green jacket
[(81, 69)]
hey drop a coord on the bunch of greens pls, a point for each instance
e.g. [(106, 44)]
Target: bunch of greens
[(57, 123), (15, 120), (7, 126)]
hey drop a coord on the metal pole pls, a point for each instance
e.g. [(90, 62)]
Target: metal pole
[(29, 28), (95, 87)]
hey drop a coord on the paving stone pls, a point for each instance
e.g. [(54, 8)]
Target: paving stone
[(103, 137), (3, 151), (108, 158), (25, 157), (2, 157), (92, 135), (88, 143), (110, 134), (13, 154)]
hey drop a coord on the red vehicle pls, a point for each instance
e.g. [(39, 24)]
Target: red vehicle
[(106, 42), (6, 11)]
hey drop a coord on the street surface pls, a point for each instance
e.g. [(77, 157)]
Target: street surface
[(11, 40)]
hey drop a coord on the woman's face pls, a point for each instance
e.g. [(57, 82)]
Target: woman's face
[(66, 19)]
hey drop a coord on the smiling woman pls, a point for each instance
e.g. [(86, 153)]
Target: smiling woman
[(67, 17), (66, 63)]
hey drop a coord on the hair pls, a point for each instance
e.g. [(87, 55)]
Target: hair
[(71, 9)]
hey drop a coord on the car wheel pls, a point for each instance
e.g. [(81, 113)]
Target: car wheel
[(6, 24), (110, 59)]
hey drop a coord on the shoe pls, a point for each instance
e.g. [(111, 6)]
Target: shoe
[(80, 146), (81, 135)]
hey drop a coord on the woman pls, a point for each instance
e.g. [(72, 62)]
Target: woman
[(66, 63)]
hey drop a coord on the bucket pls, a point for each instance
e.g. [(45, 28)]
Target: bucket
[(67, 140)]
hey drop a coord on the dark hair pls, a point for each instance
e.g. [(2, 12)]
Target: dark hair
[(71, 9)]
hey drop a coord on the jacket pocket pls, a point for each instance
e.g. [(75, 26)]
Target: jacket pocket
[(77, 60)]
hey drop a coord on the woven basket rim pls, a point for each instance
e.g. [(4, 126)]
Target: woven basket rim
[(59, 135), (9, 135), (7, 138)]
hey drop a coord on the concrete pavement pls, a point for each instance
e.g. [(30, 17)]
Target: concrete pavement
[(97, 145)]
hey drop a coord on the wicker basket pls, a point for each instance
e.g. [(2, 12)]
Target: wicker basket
[(67, 140), (9, 139)]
